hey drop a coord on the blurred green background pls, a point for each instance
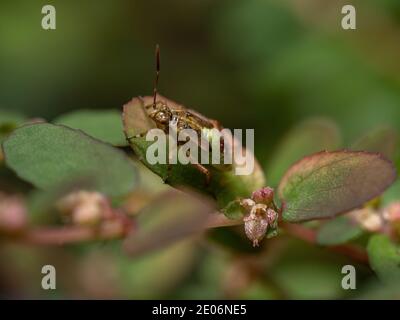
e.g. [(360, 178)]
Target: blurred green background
[(262, 64)]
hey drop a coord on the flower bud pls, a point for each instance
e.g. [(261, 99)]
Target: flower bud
[(392, 212), (85, 207), (368, 218), (13, 215), (256, 224), (392, 215), (87, 214), (271, 216), (264, 195), (247, 205)]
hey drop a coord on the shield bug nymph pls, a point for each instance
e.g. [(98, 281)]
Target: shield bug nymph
[(163, 112)]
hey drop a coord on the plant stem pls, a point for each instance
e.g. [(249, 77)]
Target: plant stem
[(119, 228), (49, 236)]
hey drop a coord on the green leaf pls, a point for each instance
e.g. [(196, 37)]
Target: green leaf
[(310, 136), (8, 122), (376, 290), (105, 125), (233, 210), (384, 258), (307, 272), (47, 155), (325, 184), (225, 186), (155, 275), (382, 139), (392, 194), (337, 231)]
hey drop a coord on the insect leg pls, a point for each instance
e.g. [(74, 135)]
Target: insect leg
[(157, 75), (140, 135)]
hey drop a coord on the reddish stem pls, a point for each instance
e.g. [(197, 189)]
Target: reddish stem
[(116, 228), (119, 228), (65, 235)]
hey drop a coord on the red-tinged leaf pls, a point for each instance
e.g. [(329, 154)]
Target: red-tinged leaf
[(325, 184)]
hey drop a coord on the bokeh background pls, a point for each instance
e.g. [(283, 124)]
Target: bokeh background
[(262, 64)]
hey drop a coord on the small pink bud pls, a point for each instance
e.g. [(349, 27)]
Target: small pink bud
[(271, 216), (368, 218), (85, 207), (393, 212), (87, 214), (264, 195), (13, 215)]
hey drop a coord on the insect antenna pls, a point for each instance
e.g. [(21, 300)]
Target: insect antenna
[(157, 75)]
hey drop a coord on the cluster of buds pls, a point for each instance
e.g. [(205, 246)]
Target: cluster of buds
[(368, 219), (259, 214), (392, 212), (85, 207), (386, 220), (392, 215)]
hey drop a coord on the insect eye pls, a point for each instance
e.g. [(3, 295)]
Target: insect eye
[(162, 116)]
